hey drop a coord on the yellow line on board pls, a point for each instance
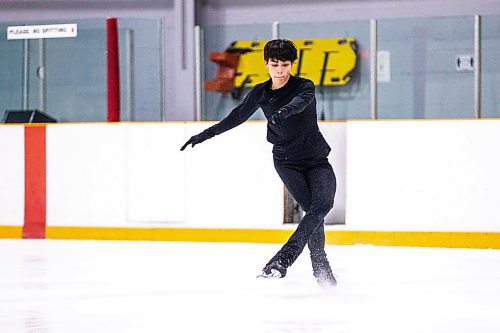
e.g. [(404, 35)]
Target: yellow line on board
[(7, 231), (475, 240), (171, 234), (480, 240)]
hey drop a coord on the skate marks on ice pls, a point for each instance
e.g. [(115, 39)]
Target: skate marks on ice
[(87, 286)]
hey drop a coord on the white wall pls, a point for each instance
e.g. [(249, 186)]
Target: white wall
[(432, 175), (229, 12), (11, 175), (335, 134), (61, 10), (135, 175), (156, 174), (231, 180), (86, 174), (423, 175)]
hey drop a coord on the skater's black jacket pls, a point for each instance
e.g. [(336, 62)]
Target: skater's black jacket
[(296, 136)]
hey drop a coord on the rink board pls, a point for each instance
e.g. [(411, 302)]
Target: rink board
[(127, 181)]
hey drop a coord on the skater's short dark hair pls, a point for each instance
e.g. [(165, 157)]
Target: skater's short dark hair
[(280, 49)]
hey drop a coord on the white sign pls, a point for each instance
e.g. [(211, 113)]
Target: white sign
[(383, 66), (465, 63), (41, 31)]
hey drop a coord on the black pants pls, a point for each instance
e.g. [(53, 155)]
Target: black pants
[(313, 184)]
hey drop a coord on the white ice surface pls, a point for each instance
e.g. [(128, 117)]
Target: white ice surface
[(91, 286)]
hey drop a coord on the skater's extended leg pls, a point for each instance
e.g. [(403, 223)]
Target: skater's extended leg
[(320, 181), (320, 265), (322, 184), (296, 182), (294, 176), (319, 261)]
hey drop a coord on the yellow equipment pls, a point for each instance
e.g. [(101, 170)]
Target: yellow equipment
[(327, 62)]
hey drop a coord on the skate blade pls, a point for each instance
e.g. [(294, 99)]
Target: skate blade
[(275, 274), (327, 284)]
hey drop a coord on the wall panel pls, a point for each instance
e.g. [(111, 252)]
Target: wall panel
[(12, 175)]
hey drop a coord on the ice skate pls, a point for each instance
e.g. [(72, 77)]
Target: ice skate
[(323, 272), (273, 270)]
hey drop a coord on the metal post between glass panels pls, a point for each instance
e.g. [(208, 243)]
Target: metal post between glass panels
[(373, 69), (162, 66), (129, 60), (41, 74), (477, 66), (276, 30), (198, 44), (26, 63)]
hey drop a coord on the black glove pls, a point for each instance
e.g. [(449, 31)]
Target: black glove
[(277, 118), (198, 138)]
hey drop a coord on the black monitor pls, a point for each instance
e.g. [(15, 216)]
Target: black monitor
[(27, 116)]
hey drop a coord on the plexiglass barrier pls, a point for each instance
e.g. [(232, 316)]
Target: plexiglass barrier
[(425, 67), (423, 78), (490, 64), (66, 77)]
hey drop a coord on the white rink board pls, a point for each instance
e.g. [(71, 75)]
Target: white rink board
[(427, 175), (156, 173), (86, 175), (135, 175), (335, 135), (12, 175), (423, 175), (231, 180)]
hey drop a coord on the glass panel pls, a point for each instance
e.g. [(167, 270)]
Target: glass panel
[(145, 102), (352, 100), (216, 39), (75, 72), (490, 67), (11, 69), (424, 79)]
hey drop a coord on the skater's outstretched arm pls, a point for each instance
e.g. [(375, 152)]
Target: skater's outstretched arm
[(198, 138), (236, 117)]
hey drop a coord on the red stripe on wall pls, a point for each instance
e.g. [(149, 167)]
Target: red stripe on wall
[(113, 70), (34, 182)]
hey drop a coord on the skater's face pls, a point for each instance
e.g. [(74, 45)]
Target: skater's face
[(279, 71)]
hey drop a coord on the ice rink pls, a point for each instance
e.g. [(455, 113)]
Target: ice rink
[(103, 286)]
